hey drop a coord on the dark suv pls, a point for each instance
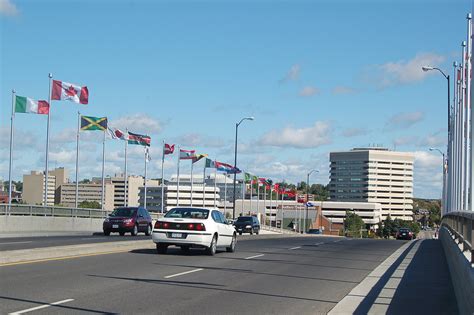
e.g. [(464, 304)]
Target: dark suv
[(129, 219), (247, 225), (404, 234)]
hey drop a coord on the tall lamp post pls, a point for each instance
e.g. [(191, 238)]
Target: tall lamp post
[(447, 191), (235, 161), (307, 198), (443, 199)]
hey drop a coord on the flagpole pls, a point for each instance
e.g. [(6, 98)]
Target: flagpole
[(177, 192), (225, 194), (163, 178), (192, 170), (204, 186), (468, 136), (265, 204), (46, 177), (271, 208), (77, 159), (125, 178), (11, 154), (243, 192), (215, 185), (103, 172), (258, 196), (144, 186)]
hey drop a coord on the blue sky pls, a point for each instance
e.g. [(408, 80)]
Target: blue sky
[(317, 75)]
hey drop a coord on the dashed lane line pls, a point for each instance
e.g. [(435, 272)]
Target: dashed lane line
[(183, 273), (41, 307), (9, 243), (297, 247), (254, 256)]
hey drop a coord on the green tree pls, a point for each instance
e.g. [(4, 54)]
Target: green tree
[(85, 181), (89, 204), (353, 224)]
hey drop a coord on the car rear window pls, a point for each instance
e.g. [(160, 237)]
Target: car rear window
[(123, 212), (188, 213), (404, 230), (244, 219)]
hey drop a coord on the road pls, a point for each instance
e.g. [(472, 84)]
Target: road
[(15, 243), (283, 275)]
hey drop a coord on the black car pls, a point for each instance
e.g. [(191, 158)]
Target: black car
[(128, 219), (247, 224), (404, 234)]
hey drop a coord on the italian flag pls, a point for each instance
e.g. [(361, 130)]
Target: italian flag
[(27, 105)]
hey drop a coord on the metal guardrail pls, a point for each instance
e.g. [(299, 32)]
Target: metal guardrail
[(49, 211), (460, 225)]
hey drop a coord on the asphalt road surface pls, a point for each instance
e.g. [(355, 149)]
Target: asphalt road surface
[(288, 275), (15, 243)]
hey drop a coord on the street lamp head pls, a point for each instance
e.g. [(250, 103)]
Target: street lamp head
[(427, 68), (250, 118), (431, 149)]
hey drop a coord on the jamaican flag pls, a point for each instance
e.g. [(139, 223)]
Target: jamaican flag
[(93, 123)]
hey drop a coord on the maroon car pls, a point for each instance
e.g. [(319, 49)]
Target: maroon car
[(128, 219)]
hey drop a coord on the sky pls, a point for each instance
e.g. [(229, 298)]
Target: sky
[(318, 76)]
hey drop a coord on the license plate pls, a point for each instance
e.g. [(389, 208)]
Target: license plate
[(404, 234), (115, 226), (177, 235)]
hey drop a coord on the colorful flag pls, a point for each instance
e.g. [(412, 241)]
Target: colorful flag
[(168, 149), (276, 188), (187, 154), (69, 92), (197, 157), (93, 123), (135, 138), (247, 177), (210, 163), (229, 169), (27, 105), (117, 134)]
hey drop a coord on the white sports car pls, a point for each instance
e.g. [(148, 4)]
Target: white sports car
[(194, 227)]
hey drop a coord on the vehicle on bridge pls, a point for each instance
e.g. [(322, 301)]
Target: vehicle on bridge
[(128, 220), (405, 234), (247, 224), (191, 227)]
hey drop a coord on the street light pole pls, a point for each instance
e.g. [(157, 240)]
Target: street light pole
[(443, 199), (235, 162), (307, 199)]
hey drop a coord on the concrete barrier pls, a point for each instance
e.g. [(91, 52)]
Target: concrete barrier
[(462, 273), (31, 224)]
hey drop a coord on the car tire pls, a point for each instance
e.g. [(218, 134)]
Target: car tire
[(148, 230), (106, 233), (231, 248), (122, 233), (240, 233), (135, 230), (258, 231), (211, 250), (161, 248), (251, 232)]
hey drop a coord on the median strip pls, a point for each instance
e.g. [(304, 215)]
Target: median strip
[(42, 306), (254, 256), (183, 273)]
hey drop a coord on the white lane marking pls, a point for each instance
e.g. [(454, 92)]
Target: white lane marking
[(93, 238), (254, 256), (337, 241), (321, 243), (183, 273), (295, 247), (24, 242), (42, 306)]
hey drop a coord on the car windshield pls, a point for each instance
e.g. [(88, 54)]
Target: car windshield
[(244, 219), (123, 212), (188, 213)]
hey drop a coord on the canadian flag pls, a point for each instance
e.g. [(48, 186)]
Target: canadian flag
[(69, 92), (169, 148)]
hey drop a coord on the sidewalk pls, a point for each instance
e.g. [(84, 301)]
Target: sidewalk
[(413, 280)]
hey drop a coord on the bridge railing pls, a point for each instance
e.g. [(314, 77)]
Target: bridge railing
[(460, 225), (52, 211)]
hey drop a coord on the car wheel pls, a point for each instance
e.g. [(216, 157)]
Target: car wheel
[(106, 233), (251, 232), (211, 250), (231, 248), (148, 231), (135, 230), (240, 233), (122, 233), (185, 248), (258, 231), (161, 248)]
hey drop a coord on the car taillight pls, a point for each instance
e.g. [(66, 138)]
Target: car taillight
[(162, 225), (199, 227)]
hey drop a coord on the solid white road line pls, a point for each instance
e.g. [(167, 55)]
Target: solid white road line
[(295, 247), (183, 273), (321, 243), (93, 238), (42, 306), (8, 243), (254, 256)]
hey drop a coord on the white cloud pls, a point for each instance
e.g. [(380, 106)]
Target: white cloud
[(8, 8), (342, 90), (406, 140), (293, 74), (139, 123), (21, 139), (310, 137), (437, 139), (354, 132), (404, 120), (427, 174), (406, 71), (309, 91), (198, 140), (63, 157)]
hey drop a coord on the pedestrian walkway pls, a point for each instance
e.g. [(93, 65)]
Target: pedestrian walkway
[(413, 280)]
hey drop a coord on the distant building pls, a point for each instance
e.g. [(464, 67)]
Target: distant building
[(374, 175), (34, 186), (86, 192)]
